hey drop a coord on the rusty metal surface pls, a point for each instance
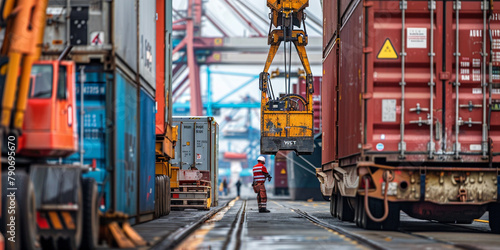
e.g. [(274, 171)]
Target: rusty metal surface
[(370, 81), (329, 107), (330, 20), (350, 85), (286, 131)]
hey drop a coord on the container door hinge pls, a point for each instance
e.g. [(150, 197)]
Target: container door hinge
[(367, 50), (431, 5), (403, 5), (367, 96), (487, 5), (368, 4), (402, 145)]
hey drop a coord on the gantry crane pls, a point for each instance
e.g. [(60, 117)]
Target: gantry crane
[(287, 120)]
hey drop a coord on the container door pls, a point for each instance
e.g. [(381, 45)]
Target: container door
[(403, 55), (474, 89), (187, 145)]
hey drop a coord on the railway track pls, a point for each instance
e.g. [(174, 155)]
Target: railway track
[(373, 244), (238, 225)]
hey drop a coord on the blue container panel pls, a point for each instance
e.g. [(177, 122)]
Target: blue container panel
[(147, 151), (94, 139), (126, 146)]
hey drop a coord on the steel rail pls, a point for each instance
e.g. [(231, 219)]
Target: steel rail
[(173, 239), (355, 237), (373, 244), (233, 241)]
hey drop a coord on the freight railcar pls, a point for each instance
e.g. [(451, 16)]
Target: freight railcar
[(410, 99), (112, 48)]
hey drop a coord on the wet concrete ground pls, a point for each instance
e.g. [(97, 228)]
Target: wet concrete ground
[(240, 226)]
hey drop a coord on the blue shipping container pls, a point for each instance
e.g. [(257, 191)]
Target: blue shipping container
[(125, 177), (95, 139), (147, 158)]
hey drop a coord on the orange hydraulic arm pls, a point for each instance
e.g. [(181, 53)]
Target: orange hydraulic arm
[(24, 22)]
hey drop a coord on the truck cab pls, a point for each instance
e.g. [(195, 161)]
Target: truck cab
[(49, 128)]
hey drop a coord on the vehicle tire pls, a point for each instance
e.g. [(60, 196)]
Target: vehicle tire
[(160, 196), (6, 213), (391, 223), (344, 211), (333, 203), (167, 195), (494, 213), (90, 224), (75, 241), (25, 197), (157, 200), (376, 209), (357, 211), (393, 219)]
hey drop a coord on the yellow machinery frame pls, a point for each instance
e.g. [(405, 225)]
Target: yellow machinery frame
[(286, 129)]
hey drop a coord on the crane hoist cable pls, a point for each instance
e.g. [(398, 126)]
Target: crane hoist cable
[(287, 120)]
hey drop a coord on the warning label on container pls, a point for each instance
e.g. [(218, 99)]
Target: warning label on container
[(387, 51), (388, 110), (416, 38)]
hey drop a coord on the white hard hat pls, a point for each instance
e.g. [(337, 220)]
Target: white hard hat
[(262, 159)]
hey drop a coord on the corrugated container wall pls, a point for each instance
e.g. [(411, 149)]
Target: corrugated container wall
[(114, 43), (163, 64), (90, 26), (148, 138), (329, 105), (316, 99), (412, 86), (330, 21), (280, 175)]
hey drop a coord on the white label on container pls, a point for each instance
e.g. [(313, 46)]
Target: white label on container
[(475, 147), (389, 110), (97, 38), (416, 38), (477, 91)]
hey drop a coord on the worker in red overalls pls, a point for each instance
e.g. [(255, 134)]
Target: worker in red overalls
[(259, 178)]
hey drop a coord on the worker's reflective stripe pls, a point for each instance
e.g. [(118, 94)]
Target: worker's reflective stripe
[(259, 172)]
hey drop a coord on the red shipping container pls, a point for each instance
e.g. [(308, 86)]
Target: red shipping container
[(316, 99), (330, 21), (280, 175), (329, 106), (371, 103)]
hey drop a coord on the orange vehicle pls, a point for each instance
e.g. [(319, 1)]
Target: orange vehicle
[(45, 206), (51, 105)]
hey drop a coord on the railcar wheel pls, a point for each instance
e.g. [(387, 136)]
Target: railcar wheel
[(344, 211), (357, 211), (391, 223), (494, 219), (333, 204), (157, 200)]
